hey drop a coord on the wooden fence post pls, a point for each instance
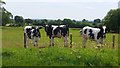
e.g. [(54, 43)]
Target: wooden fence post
[(25, 40), (113, 41), (70, 40)]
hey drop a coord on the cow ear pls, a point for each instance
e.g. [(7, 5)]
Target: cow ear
[(40, 27)]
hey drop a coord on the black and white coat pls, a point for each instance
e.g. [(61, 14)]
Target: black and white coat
[(57, 31), (97, 34), (32, 33)]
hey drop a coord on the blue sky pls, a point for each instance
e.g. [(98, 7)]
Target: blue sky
[(60, 9)]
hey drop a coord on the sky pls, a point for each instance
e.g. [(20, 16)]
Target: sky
[(60, 9)]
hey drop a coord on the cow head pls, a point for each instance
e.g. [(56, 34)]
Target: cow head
[(103, 31), (48, 29), (35, 31)]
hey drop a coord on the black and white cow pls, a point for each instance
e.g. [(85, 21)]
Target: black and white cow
[(97, 34), (57, 31), (31, 33)]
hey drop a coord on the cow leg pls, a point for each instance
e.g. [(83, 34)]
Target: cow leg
[(84, 42), (36, 44), (27, 41), (65, 41), (51, 41), (102, 42), (35, 41), (98, 43)]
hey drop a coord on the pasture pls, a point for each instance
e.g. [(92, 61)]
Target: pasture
[(14, 53)]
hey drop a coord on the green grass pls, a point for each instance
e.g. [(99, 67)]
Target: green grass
[(15, 55), (59, 56)]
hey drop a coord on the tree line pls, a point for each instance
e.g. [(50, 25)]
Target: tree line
[(111, 20)]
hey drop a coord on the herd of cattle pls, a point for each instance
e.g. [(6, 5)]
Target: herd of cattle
[(58, 31)]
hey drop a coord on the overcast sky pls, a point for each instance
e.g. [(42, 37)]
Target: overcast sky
[(60, 9)]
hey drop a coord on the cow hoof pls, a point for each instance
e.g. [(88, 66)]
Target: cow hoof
[(70, 46), (25, 47), (98, 47), (50, 45), (101, 46), (83, 47), (53, 44)]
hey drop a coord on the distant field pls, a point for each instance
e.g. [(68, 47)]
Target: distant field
[(15, 55)]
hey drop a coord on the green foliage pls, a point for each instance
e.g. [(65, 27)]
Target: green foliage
[(19, 20), (6, 16), (83, 24), (67, 21), (97, 21), (28, 21), (84, 20), (112, 20), (2, 2), (59, 56), (15, 55)]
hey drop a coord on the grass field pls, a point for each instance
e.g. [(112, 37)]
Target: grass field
[(13, 53)]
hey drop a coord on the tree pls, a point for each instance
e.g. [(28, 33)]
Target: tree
[(84, 20), (112, 20), (19, 20), (44, 21), (6, 15), (68, 22), (28, 21), (97, 21), (59, 21), (2, 2)]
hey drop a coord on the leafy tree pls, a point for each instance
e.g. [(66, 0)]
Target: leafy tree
[(59, 21), (44, 21), (35, 22), (84, 20), (112, 20), (28, 21), (2, 2), (97, 21), (6, 15), (51, 22), (83, 24), (19, 20), (68, 22)]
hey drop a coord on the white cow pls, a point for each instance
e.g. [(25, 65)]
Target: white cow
[(58, 31), (97, 34), (31, 33)]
